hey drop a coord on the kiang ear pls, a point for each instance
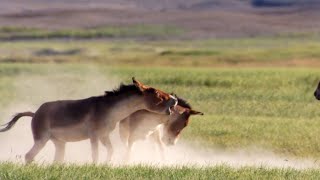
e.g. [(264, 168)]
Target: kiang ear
[(193, 112), (173, 94), (141, 86)]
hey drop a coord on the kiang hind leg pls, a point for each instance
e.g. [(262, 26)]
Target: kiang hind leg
[(41, 136), (36, 148), (60, 150)]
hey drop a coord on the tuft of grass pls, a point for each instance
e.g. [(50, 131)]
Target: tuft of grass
[(71, 171), (189, 53), (134, 31)]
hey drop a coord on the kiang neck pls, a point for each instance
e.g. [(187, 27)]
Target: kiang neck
[(126, 106)]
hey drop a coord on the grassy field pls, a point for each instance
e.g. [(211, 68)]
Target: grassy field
[(265, 107), (292, 50), (269, 108), (14, 171), (129, 31)]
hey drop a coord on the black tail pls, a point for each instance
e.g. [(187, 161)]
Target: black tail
[(10, 124)]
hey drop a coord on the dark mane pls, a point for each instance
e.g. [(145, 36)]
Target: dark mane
[(183, 103), (123, 89)]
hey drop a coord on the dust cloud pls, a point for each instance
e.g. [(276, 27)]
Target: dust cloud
[(35, 90)]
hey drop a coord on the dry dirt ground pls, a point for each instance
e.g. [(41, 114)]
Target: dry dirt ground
[(202, 19)]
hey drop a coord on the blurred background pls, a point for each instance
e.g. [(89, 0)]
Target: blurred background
[(223, 32)]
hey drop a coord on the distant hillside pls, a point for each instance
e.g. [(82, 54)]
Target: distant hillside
[(197, 18), (16, 5), (277, 3)]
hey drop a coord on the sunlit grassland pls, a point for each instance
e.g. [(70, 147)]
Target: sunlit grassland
[(267, 108), (18, 171), (270, 108), (128, 31), (259, 51)]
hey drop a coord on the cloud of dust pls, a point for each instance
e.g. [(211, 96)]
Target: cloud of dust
[(35, 90), (183, 154)]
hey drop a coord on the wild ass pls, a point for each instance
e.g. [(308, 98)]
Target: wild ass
[(92, 118), (143, 124), (317, 92)]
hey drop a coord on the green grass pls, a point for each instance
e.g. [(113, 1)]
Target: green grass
[(17, 171), (265, 107), (133, 31), (262, 51)]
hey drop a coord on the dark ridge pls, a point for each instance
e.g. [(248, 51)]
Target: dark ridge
[(123, 89), (272, 3)]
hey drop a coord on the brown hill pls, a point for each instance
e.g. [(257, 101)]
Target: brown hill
[(200, 18)]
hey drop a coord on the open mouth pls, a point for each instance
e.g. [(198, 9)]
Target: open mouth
[(171, 109)]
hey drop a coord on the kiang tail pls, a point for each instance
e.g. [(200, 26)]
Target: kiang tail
[(10, 124)]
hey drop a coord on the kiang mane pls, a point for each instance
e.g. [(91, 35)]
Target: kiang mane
[(183, 103), (123, 89)]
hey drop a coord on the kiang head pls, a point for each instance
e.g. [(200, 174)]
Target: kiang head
[(317, 92), (177, 121), (156, 100)]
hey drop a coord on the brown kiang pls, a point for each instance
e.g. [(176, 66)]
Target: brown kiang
[(92, 118), (143, 124)]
